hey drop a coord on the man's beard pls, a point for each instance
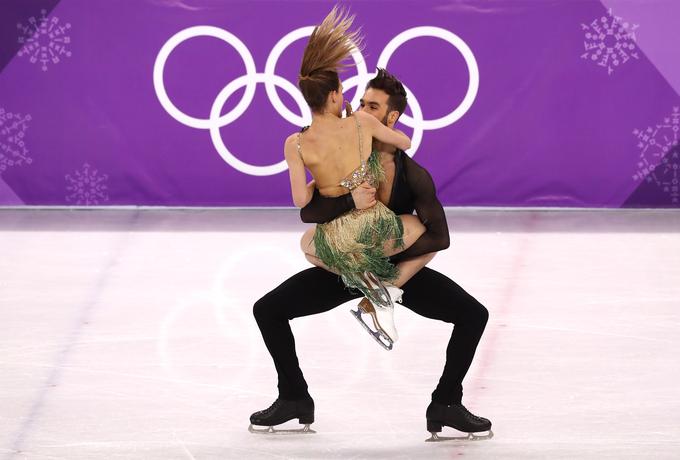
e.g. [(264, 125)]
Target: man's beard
[(384, 120)]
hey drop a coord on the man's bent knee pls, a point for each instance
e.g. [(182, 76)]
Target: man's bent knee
[(261, 309), (482, 315)]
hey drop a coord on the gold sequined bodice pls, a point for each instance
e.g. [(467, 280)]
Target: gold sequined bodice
[(359, 176)]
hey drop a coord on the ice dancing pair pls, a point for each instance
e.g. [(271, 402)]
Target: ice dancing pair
[(371, 223)]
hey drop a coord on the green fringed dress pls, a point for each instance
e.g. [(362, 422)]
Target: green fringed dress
[(353, 242)]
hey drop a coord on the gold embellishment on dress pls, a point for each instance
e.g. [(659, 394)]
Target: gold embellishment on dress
[(357, 177)]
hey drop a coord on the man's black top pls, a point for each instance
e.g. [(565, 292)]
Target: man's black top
[(412, 189)]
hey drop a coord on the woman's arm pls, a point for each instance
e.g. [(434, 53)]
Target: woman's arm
[(301, 191), (377, 130)]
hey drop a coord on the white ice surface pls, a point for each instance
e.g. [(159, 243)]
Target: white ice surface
[(129, 335)]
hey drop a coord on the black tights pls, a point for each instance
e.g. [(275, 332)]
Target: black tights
[(428, 293)]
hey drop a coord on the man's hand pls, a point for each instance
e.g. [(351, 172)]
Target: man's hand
[(348, 109), (364, 196)]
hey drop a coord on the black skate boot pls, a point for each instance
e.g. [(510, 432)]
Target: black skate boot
[(458, 417), (282, 411)]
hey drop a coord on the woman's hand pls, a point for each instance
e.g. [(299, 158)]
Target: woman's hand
[(364, 196), (348, 109)]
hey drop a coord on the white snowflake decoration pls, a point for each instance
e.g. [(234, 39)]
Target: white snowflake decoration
[(86, 186), (660, 155), (610, 41), (44, 40), (13, 151)]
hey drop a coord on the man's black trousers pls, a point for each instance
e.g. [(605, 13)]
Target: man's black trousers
[(428, 293)]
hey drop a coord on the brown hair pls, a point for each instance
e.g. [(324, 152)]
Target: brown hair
[(329, 45)]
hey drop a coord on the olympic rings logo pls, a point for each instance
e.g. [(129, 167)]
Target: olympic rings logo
[(271, 81)]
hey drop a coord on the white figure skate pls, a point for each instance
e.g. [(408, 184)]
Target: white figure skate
[(383, 320)]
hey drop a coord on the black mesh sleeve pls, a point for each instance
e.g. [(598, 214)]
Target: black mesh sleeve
[(429, 210), (322, 209)]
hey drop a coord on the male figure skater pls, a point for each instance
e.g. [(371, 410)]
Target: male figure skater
[(408, 187)]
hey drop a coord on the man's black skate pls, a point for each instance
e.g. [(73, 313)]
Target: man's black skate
[(282, 411), (458, 417)]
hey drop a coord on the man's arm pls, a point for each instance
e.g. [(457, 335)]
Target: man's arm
[(429, 210), (322, 209)]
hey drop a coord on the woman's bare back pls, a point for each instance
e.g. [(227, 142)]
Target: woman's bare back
[(331, 152)]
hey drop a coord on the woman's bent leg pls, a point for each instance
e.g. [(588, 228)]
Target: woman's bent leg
[(410, 267), (307, 246), (413, 229), (307, 243), (319, 263)]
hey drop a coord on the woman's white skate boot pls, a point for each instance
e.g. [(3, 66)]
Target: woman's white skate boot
[(385, 332), (394, 292)]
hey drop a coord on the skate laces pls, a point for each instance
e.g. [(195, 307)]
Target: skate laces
[(273, 407), (470, 415)]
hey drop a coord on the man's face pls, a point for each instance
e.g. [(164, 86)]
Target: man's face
[(374, 102)]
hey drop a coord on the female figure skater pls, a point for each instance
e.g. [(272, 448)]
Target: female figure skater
[(338, 153)]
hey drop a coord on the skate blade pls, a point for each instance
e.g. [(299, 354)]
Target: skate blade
[(469, 437), (271, 430), (383, 339), (376, 323)]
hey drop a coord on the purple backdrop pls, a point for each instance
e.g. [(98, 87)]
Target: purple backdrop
[(576, 105)]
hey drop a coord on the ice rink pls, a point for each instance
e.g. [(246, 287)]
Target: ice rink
[(128, 334)]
